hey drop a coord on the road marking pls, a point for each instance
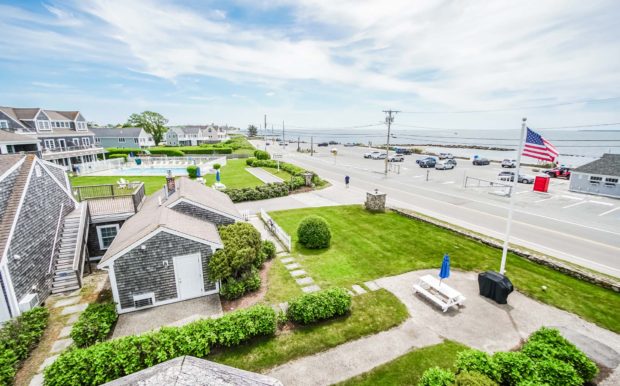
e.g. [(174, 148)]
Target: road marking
[(543, 199), (572, 197), (601, 203), (525, 191), (418, 176), (447, 182), (609, 211), (575, 204)]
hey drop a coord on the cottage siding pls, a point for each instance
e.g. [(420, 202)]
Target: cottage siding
[(580, 182), (59, 174), (11, 123), (202, 214), (94, 249), (33, 238), (6, 187), (141, 271)]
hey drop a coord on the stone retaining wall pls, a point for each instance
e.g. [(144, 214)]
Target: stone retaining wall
[(557, 265)]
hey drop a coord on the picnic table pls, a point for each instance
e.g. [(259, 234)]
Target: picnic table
[(439, 293)]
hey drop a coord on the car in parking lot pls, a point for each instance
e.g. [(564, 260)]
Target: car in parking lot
[(379, 155), (481, 161), (561, 172), (402, 150), (428, 162), (370, 154), (323, 144), (349, 144), (509, 163), (445, 164), (510, 177), (396, 158), (446, 156)]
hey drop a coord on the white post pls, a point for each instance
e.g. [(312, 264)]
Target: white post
[(511, 206)]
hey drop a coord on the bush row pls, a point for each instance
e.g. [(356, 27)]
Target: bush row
[(291, 169), (272, 190), (94, 324), (171, 151), (126, 151), (325, 304), (547, 358), (17, 338), (106, 361), (235, 288), (113, 156), (206, 150), (261, 155)]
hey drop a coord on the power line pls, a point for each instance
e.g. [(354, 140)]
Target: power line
[(336, 127), (539, 128), (514, 108)]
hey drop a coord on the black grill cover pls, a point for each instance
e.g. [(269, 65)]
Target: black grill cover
[(494, 285)]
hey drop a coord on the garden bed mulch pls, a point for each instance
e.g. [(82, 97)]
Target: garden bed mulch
[(253, 297)]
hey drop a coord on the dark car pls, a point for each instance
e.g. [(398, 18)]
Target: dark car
[(333, 142), (427, 162), (323, 144), (481, 161), (402, 150)]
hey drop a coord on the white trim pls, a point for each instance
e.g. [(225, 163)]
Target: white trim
[(64, 188), (12, 168), (5, 122), (100, 237), (14, 120), (67, 181), (115, 294), (13, 303), (191, 202), (111, 259)]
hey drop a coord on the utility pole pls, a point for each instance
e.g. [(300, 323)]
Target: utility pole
[(282, 132), (389, 119), (298, 148), (311, 146), (265, 132)]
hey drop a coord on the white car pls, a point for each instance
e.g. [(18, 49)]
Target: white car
[(396, 158), (379, 155), (371, 154), (445, 164)]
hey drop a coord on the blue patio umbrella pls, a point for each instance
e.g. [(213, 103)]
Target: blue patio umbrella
[(217, 175), (444, 272), (198, 172)]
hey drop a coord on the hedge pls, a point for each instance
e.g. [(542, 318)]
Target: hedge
[(170, 152), (235, 288), (192, 171), (269, 249), (479, 362), (272, 190), (320, 305), (206, 150), (110, 360), (18, 337), (261, 155), (94, 324), (313, 232), (126, 151), (113, 156), (467, 378), (436, 376)]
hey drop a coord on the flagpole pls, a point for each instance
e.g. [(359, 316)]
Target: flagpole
[(511, 206)]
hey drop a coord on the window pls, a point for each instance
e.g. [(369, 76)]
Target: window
[(122, 140), (611, 181), (81, 126), (76, 142), (135, 140), (106, 234), (97, 140), (595, 179), (4, 124), (43, 125), (86, 141), (49, 144)]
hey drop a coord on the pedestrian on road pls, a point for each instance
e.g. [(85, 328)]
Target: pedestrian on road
[(346, 181)]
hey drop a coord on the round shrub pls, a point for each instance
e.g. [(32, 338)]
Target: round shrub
[(313, 233), (269, 249), (437, 377), (320, 305), (479, 362), (192, 171), (514, 367), (467, 378), (217, 166), (261, 155), (553, 372)]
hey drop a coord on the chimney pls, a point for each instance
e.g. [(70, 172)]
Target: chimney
[(170, 184)]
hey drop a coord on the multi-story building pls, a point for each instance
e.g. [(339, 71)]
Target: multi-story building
[(195, 135), (122, 137), (62, 137)]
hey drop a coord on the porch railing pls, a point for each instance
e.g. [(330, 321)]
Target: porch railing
[(124, 197), (284, 237)]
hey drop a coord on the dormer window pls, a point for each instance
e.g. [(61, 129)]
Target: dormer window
[(4, 124), (43, 126), (81, 126)]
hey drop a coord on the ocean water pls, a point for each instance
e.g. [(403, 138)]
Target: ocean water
[(576, 147)]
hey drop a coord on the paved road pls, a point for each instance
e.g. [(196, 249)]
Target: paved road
[(578, 228)]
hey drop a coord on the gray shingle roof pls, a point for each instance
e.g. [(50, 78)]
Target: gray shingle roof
[(12, 137), (607, 165), (203, 196), (115, 132)]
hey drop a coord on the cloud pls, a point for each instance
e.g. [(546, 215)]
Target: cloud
[(270, 93)]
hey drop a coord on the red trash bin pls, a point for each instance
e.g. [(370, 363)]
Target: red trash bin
[(541, 184)]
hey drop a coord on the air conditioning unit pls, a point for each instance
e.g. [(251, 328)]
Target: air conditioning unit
[(29, 301), (143, 300)]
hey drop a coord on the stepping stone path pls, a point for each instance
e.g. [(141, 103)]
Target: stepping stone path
[(299, 272), (358, 289), (67, 302), (304, 281), (78, 308), (311, 288), (61, 345), (292, 266), (301, 277), (65, 332), (371, 285), (287, 260)]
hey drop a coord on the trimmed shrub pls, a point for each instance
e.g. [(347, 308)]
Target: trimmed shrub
[(313, 233), (123, 156), (514, 367), (320, 305), (206, 149), (235, 288), (436, 376), (261, 155), (242, 246), (548, 343), (106, 361), (217, 166), (269, 249), (479, 362), (467, 378), (94, 324), (192, 171), (263, 192), (554, 372), (18, 337), (126, 151), (169, 151)]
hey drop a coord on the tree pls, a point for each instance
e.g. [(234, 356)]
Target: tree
[(242, 246), (252, 131), (152, 122)]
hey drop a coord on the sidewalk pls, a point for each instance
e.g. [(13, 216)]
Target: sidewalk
[(264, 175)]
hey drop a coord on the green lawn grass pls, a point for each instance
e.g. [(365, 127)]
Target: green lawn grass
[(234, 175), (151, 183), (370, 313), (281, 286), (279, 173), (407, 369), (368, 246)]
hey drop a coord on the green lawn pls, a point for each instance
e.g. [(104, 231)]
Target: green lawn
[(281, 286), (407, 369), (151, 183), (279, 173), (234, 175), (370, 313), (368, 246)]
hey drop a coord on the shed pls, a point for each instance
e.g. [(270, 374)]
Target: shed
[(600, 177)]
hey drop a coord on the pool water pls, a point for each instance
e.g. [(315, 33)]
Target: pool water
[(149, 171)]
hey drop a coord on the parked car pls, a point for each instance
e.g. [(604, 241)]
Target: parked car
[(349, 144), (481, 161), (560, 172), (423, 159), (370, 154), (510, 177), (396, 158), (509, 163), (445, 164), (323, 144), (402, 150), (379, 155), (428, 162), (446, 156)]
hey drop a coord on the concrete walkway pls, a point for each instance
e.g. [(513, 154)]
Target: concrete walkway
[(264, 175), (481, 324)]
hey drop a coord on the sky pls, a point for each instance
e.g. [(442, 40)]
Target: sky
[(317, 63)]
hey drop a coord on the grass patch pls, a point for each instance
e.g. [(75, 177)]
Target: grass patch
[(281, 285), (370, 313), (151, 183), (234, 175), (407, 369), (368, 246), (279, 173)]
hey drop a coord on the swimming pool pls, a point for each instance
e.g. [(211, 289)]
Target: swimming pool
[(148, 171)]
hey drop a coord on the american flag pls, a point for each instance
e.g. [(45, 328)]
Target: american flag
[(538, 147)]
